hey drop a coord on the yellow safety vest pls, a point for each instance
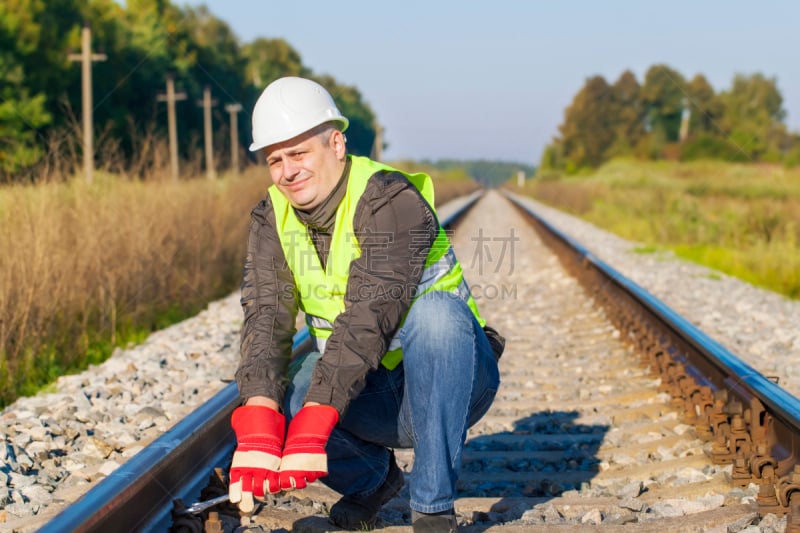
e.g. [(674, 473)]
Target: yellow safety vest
[(322, 291)]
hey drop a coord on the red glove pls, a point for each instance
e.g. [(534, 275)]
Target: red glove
[(304, 460), (259, 434)]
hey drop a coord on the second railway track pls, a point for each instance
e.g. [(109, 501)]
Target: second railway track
[(582, 436)]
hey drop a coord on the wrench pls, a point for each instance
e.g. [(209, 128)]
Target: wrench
[(199, 507)]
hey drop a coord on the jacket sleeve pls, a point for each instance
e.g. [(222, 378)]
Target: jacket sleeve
[(395, 229), (269, 302)]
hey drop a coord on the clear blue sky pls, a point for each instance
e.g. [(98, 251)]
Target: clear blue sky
[(491, 79)]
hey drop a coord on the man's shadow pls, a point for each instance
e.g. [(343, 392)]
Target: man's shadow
[(544, 455), (541, 457)]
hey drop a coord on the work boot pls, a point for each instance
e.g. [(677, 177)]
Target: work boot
[(443, 522), (356, 513)]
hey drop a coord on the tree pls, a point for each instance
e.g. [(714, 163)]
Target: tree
[(270, 59), (628, 115), (753, 116), (20, 116), (706, 107), (53, 30), (663, 92), (22, 111), (589, 124), (706, 134)]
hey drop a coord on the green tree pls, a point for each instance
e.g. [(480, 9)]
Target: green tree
[(754, 116), (20, 116), (663, 93), (627, 115), (706, 107), (706, 131), (589, 124), (44, 56), (22, 110), (270, 59)]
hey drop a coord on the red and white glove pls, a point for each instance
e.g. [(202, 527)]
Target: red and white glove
[(254, 470), (304, 459)]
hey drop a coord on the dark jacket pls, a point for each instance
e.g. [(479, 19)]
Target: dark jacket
[(395, 228)]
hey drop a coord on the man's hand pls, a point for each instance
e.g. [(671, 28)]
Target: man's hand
[(259, 436), (304, 460)]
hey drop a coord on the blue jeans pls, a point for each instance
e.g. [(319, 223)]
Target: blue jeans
[(445, 384)]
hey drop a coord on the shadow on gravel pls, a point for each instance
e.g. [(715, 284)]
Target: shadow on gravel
[(309, 524), (544, 455)]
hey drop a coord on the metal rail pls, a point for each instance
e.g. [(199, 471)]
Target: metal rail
[(753, 423), (139, 495)]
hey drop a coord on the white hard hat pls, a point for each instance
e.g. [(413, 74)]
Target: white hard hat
[(291, 106)]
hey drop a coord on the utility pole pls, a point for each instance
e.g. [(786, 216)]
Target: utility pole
[(206, 104), (170, 98), (233, 110), (686, 115), (86, 57), (377, 144)]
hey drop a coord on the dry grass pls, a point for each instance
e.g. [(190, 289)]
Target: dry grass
[(450, 190), (84, 267)]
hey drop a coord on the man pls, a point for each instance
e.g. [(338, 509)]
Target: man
[(402, 357)]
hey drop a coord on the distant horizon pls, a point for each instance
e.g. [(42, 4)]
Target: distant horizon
[(461, 160), (494, 85)]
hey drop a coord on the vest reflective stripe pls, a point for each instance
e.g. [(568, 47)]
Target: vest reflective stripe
[(318, 322), (436, 271), (391, 353), (322, 291)]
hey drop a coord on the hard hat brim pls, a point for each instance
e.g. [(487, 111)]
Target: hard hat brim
[(341, 120)]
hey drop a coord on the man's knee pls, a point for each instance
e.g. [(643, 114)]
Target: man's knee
[(438, 322)]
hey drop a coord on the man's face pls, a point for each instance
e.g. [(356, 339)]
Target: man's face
[(307, 168)]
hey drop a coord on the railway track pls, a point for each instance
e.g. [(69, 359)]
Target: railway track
[(612, 415)]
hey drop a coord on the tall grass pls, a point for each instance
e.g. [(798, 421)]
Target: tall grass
[(85, 268), (741, 219)]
